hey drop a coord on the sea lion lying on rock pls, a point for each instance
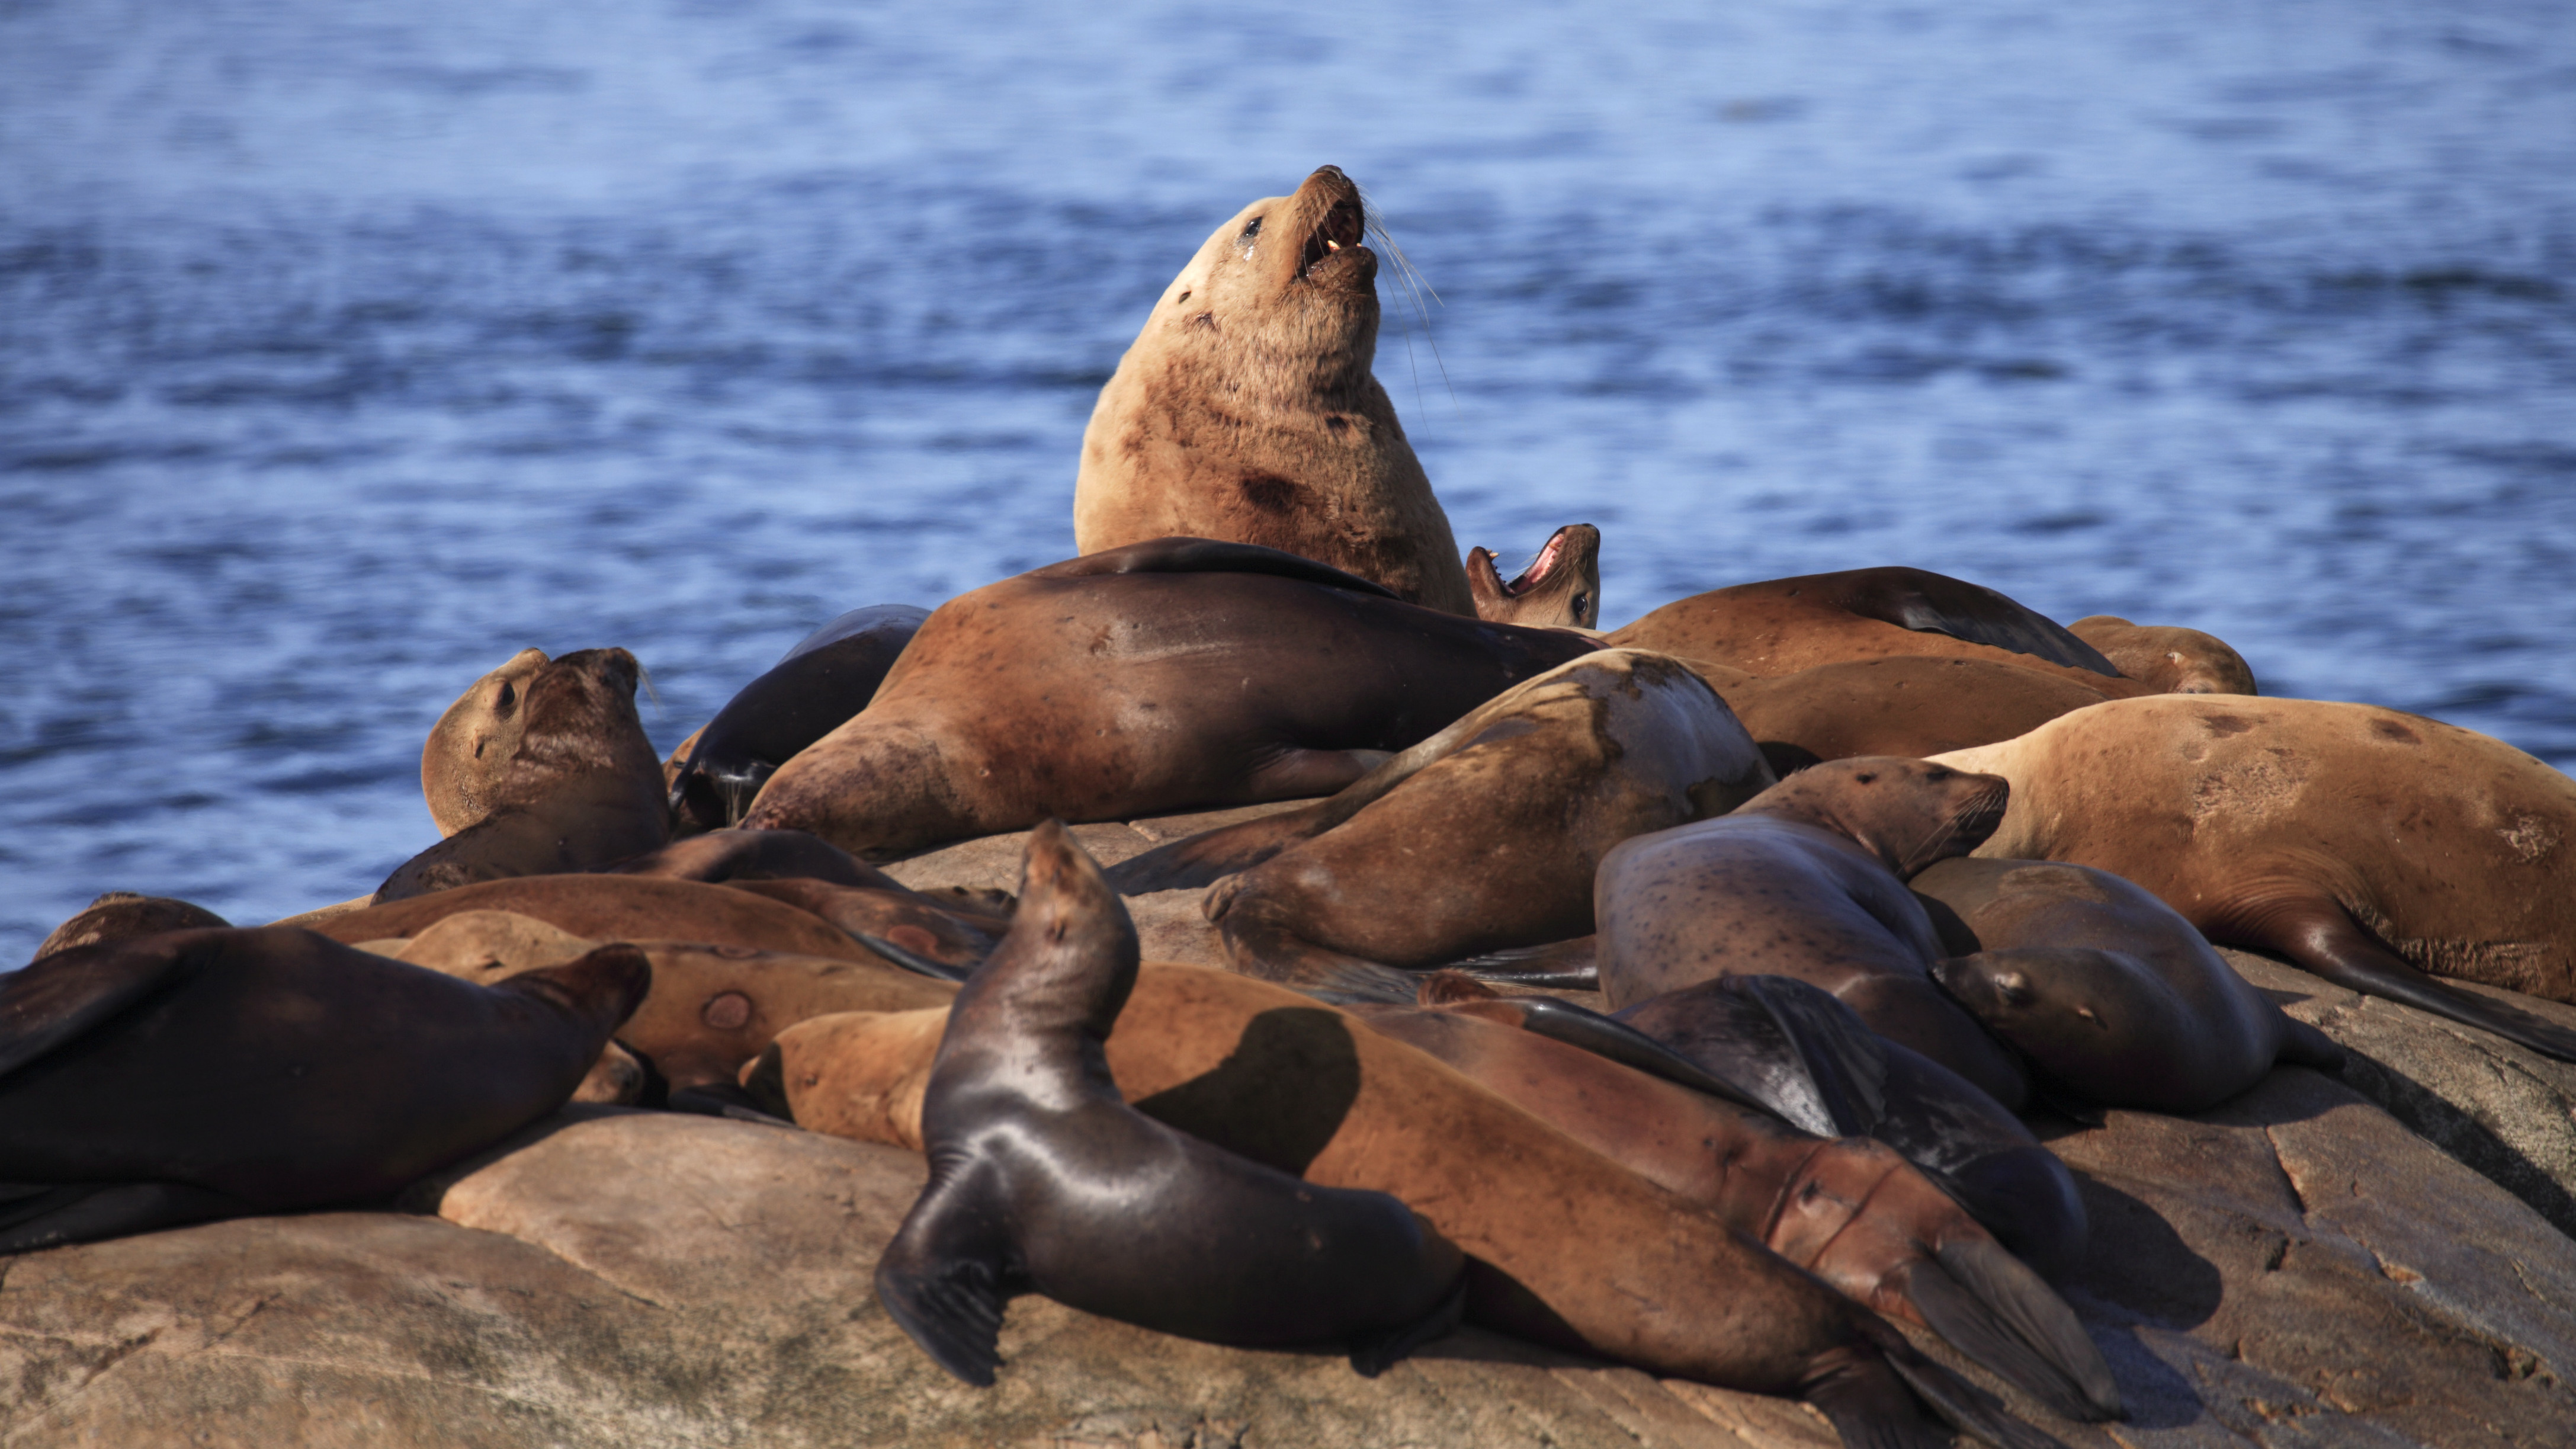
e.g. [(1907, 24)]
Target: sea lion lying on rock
[(2104, 987), (1906, 705), (217, 1073), (2167, 660), (121, 915), (1784, 625), (559, 766), (2373, 848), (812, 690), (1246, 410), (617, 908), (1145, 679), (1560, 589)]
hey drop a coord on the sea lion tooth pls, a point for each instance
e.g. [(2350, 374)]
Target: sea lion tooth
[(1042, 1178)]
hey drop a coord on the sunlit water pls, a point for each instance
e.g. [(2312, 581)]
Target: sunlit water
[(346, 349)]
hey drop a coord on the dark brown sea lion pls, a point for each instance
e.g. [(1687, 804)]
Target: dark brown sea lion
[(1565, 1247), (1850, 1210), (1784, 625), (2167, 660), (1908, 705), (1483, 836), (1246, 410), (1043, 1179), (1809, 1057), (617, 908), (829, 676), (1143, 680), (121, 915), (2374, 848), (214, 1073), (1560, 589), (1807, 880), (2103, 987), (570, 784)]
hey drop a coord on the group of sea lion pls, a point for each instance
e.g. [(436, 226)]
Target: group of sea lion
[(1669, 995)]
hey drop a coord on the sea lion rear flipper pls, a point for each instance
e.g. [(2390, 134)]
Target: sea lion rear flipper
[(914, 961), (1569, 965), (1183, 555), (1846, 1062), (1963, 1405), (1202, 859), (1935, 604), (2005, 1316), (2319, 937), (59, 998)]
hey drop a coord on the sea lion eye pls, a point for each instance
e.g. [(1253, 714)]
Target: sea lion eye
[(1581, 601), (509, 697), (1252, 229)]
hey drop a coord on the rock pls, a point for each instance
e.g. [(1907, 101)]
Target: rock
[(2508, 1112), (1173, 926), (994, 860)]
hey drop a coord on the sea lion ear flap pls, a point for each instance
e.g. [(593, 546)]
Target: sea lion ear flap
[(1485, 583)]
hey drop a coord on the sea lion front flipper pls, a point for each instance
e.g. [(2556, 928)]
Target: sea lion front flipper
[(84, 1212), (1204, 858), (947, 1275), (1568, 965), (1846, 1062), (2317, 935), (1965, 1407), (57, 999), (913, 960), (1374, 1353), (1180, 554), (1605, 1036), (1996, 1310), (1979, 615), (2303, 1045)]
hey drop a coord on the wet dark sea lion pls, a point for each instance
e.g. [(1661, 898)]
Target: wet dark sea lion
[(1560, 589), (1784, 625), (811, 691), (1807, 880), (1159, 677), (2165, 659), (569, 783), (616, 908), (1043, 1179), (2103, 987), (1485, 835), (1850, 1210), (120, 915), (1565, 1247), (1246, 410), (2376, 849), (213, 1073)]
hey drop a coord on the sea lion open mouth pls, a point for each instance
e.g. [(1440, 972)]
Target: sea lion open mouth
[(1539, 567), (1341, 229)]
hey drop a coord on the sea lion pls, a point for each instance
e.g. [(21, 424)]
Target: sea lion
[(2374, 848), (2167, 660), (1246, 410), (121, 915), (1565, 1247), (1807, 880), (711, 1008), (616, 908), (1849, 1209), (1043, 1179), (468, 762), (1811, 1059), (2104, 987), (923, 931), (733, 854), (1907, 705), (221, 1072), (814, 687), (1784, 625), (569, 782), (1143, 680), (1561, 588), (1483, 836)]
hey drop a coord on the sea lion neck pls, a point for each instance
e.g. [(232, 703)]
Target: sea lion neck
[(1055, 985), (1908, 813)]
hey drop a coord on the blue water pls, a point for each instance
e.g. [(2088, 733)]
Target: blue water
[(347, 348)]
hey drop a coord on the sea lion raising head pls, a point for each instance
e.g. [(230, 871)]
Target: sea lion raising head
[(1560, 589), (1246, 410)]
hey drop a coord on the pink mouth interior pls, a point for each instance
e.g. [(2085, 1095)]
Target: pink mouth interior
[(1341, 227), (1539, 566)]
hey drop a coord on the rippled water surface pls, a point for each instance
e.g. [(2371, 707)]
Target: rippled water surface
[(347, 348)]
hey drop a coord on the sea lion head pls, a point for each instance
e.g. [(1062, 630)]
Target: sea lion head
[(2167, 659), (1287, 283), (1561, 587), (527, 725), (1909, 813)]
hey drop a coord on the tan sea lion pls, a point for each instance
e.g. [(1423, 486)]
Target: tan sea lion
[(1560, 589), (217, 1073), (1158, 677), (471, 756), (1906, 705), (1043, 1179), (1483, 836), (2374, 848), (565, 778), (1246, 410), (616, 908), (2165, 659), (1807, 880), (1565, 1247), (2104, 987), (120, 915), (1784, 625)]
